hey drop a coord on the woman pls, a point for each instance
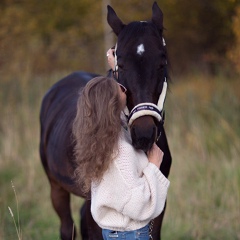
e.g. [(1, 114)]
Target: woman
[(127, 187)]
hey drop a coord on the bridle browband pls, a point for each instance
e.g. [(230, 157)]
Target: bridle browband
[(146, 108)]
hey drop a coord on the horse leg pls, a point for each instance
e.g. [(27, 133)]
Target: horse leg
[(61, 203), (156, 232), (89, 228), (83, 222)]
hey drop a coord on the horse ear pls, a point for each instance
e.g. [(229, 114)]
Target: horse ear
[(114, 21), (157, 16)]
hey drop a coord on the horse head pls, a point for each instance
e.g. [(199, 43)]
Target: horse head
[(141, 63)]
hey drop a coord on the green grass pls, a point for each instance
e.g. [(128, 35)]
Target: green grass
[(202, 124)]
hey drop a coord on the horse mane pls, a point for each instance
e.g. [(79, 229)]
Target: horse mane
[(135, 30)]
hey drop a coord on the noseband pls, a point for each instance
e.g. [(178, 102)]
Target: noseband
[(146, 109), (150, 109)]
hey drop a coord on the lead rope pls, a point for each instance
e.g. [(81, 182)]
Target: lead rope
[(151, 229)]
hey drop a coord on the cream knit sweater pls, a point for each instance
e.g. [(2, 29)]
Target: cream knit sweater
[(131, 193)]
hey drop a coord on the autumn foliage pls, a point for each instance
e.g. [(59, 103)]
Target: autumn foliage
[(47, 36)]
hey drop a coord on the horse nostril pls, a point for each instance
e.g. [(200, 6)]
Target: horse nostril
[(143, 138)]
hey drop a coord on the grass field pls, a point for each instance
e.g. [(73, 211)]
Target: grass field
[(203, 129)]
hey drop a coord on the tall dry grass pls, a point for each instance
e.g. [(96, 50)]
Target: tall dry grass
[(202, 124), (203, 116)]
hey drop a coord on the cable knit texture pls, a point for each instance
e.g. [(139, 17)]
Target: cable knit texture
[(131, 193)]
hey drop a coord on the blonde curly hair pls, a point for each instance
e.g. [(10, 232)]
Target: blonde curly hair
[(96, 130)]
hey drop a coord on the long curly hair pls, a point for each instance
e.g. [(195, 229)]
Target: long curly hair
[(96, 130)]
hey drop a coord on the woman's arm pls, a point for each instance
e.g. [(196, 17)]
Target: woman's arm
[(145, 194)]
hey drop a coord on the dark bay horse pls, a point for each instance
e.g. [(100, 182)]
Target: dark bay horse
[(141, 64)]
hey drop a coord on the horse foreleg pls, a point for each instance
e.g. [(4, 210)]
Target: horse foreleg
[(61, 203), (83, 222), (89, 228), (156, 232)]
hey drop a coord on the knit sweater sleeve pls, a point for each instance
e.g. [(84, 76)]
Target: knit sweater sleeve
[(145, 186)]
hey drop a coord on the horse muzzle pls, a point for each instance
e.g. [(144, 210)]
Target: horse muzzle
[(142, 119), (143, 133)]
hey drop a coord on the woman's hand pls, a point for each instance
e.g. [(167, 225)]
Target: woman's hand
[(155, 155), (111, 59)]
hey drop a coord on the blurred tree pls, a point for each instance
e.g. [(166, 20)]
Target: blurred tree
[(69, 34), (234, 52), (200, 33), (51, 34)]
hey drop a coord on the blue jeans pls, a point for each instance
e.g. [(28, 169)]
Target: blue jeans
[(139, 234)]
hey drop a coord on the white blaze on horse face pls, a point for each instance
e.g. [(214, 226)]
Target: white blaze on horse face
[(140, 49)]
